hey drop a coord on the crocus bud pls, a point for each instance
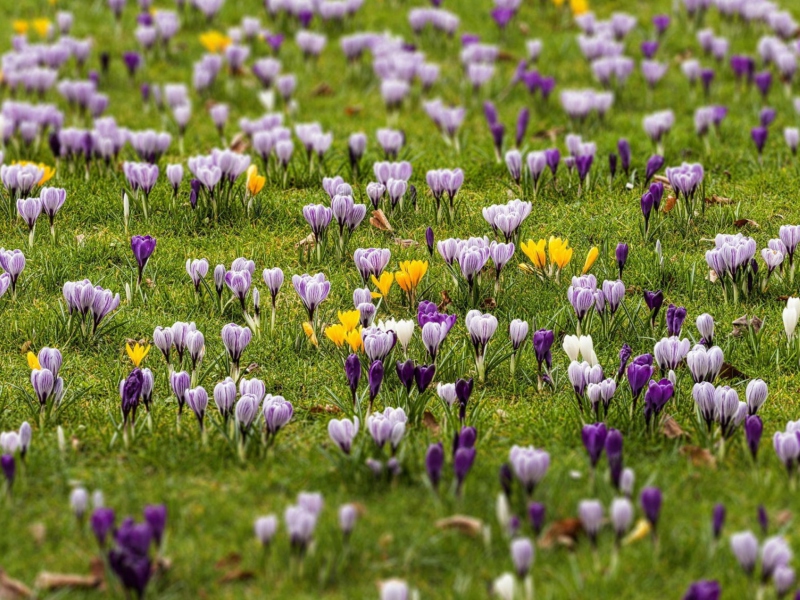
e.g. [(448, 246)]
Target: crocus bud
[(717, 520), (434, 460), (265, 528), (650, 500), (79, 502), (347, 518), (429, 240), (522, 556)]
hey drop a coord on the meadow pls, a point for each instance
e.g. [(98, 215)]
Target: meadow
[(214, 488)]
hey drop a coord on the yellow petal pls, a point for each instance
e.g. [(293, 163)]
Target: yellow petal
[(309, 331), (639, 532), (590, 258), (384, 284), (349, 319), (354, 339), (33, 362), (335, 333)]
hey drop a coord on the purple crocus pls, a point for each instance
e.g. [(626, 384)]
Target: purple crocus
[(753, 428), (655, 398), (759, 135), (654, 164), (650, 500), (375, 379), (143, 247), (434, 460), (542, 343), (129, 558), (594, 439)]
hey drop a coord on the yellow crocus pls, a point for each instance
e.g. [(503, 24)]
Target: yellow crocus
[(559, 253), (309, 331), (590, 258), (33, 362), (20, 27), (410, 274), (535, 252), (137, 353), (42, 27), (255, 182), (214, 41), (354, 339), (578, 7), (349, 319), (384, 284), (639, 532), (336, 334)]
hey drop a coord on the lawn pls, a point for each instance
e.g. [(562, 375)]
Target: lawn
[(213, 494)]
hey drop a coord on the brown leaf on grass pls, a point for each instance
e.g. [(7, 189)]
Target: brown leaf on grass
[(446, 301), (671, 429), (236, 575), (506, 56), (489, 303), (229, 560), (379, 221), (429, 420), (323, 89), (57, 581), (700, 457), (743, 324), (669, 204), (662, 179), (728, 371), (405, 243), (746, 223), (309, 240), (783, 517), (25, 347), (324, 409), (12, 589), (564, 532), (712, 276), (714, 199), (38, 532), (240, 143), (551, 134), (524, 29), (352, 110), (252, 368), (461, 523)]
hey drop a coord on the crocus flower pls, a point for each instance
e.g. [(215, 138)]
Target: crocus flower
[(342, 432), (129, 558), (650, 500), (594, 438), (717, 520), (590, 513), (529, 465), (753, 428), (542, 343), (703, 590), (143, 247), (102, 523)]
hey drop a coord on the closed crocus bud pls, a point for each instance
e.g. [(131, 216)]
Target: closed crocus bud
[(756, 395), (518, 331), (775, 553), (9, 468), (763, 519), (621, 255), (784, 578), (522, 555), (429, 240), (594, 439), (753, 428), (352, 368), (650, 500), (79, 502), (375, 379), (627, 481), (703, 590), (536, 515), (102, 522), (155, 515), (705, 325), (265, 528), (572, 347), (590, 513), (25, 436), (348, 513), (219, 278), (394, 589), (717, 520), (434, 460), (621, 513)]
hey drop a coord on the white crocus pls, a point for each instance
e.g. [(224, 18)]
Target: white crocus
[(572, 347)]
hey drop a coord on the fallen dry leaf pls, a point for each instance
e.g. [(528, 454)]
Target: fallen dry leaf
[(700, 457), (662, 179), (669, 204), (743, 324), (506, 56), (524, 29), (746, 223), (551, 134), (25, 347), (783, 517), (406, 243), (352, 110), (309, 240), (379, 221), (12, 589), (229, 560), (327, 409), (446, 301), (728, 371), (237, 575), (429, 420), (57, 581), (712, 276), (462, 523), (564, 532), (489, 303), (323, 89), (671, 429), (714, 199), (38, 532), (240, 143)]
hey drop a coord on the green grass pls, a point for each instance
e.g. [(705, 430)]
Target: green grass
[(213, 499)]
